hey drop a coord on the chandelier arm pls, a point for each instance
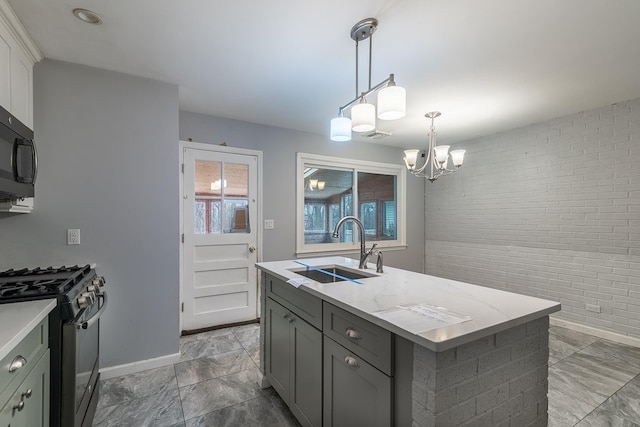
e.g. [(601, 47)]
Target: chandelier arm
[(422, 168), (451, 170), (430, 158), (367, 93)]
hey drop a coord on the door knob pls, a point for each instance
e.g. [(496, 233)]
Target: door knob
[(252, 249)]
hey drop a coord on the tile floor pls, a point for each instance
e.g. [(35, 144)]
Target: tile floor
[(592, 382)]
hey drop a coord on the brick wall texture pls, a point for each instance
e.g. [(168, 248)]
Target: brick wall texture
[(496, 381), (549, 210)]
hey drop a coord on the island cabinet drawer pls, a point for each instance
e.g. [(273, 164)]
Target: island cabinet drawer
[(305, 305), (17, 364), (369, 341)]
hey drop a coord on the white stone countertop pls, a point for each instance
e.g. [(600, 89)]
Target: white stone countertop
[(491, 310), (18, 319)]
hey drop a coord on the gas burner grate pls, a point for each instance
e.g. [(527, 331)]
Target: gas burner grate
[(40, 271), (36, 283), (23, 289)]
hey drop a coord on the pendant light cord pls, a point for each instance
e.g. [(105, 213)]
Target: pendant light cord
[(357, 92), (370, 56)]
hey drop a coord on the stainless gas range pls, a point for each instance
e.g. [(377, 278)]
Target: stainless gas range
[(74, 331)]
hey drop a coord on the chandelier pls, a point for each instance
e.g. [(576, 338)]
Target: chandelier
[(437, 157), (391, 98)]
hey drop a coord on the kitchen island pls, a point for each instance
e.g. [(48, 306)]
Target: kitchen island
[(401, 348)]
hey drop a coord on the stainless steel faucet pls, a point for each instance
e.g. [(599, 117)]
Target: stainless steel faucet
[(379, 266), (364, 254)]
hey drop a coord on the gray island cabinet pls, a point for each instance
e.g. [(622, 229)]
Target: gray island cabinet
[(336, 362)]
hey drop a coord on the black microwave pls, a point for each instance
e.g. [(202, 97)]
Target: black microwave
[(18, 158)]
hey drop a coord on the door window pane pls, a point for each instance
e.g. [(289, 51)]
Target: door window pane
[(215, 218), (236, 214), (208, 178), (221, 204), (236, 180), (199, 217)]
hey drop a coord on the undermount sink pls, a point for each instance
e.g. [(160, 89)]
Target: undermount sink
[(331, 273)]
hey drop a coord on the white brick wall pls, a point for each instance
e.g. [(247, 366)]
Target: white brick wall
[(498, 380), (549, 210)]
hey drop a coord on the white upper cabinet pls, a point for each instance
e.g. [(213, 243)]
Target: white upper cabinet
[(18, 54), (6, 46)]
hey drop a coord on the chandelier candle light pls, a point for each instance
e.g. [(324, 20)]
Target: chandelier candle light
[(437, 157), (391, 98)]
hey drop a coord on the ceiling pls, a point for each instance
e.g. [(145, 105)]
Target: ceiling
[(488, 66)]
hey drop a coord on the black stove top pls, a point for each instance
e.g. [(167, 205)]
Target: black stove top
[(39, 283)]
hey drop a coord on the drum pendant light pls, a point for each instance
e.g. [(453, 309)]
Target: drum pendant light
[(391, 98)]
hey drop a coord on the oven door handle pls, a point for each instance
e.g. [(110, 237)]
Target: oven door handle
[(87, 324)]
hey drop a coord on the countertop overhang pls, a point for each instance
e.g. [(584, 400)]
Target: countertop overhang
[(18, 319), (491, 310)]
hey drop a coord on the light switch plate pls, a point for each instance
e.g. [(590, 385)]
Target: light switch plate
[(269, 224)]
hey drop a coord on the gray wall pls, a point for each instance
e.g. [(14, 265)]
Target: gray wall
[(550, 210), (108, 156), (280, 147)]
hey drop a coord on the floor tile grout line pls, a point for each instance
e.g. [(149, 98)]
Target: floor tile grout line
[(220, 376), (607, 399), (210, 357), (179, 394), (143, 396), (575, 352), (202, 357), (229, 406)]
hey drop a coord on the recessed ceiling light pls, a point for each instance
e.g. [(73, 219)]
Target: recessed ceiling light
[(87, 16)]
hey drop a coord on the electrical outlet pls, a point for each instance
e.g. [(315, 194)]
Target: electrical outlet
[(594, 308), (269, 224), (73, 236)]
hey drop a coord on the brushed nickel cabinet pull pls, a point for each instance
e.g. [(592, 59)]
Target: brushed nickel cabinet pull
[(19, 407), (351, 362), (17, 363), (352, 333)]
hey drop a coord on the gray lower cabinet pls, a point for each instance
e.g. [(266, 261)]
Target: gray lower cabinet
[(28, 406), (355, 393), (294, 362)]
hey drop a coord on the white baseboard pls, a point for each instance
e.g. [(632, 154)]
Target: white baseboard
[(142, 365), (600, 333)]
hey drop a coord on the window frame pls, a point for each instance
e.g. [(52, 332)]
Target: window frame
[(336, 163)]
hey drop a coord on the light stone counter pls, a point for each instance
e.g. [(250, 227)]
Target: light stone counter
[(490, 370), (491, 310), (18, 319)]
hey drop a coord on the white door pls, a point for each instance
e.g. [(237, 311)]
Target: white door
[(220, 226)]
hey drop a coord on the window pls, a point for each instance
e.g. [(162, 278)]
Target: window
[(315, 218), (368, 218), (221, 204), (389, 219), (330, 188)]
